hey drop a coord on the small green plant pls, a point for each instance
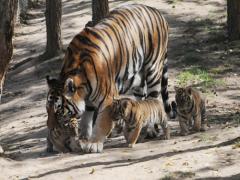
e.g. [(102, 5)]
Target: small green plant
[(178, 175), (167, 177), (206, 137), (197, 77), (236, 145)]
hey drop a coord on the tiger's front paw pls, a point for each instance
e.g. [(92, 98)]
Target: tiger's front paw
[(49, 150), (131, 145), (90, 147)]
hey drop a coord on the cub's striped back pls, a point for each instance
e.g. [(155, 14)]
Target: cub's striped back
[(138, 115)]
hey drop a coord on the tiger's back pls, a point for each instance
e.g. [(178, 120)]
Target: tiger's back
[(122, 51)]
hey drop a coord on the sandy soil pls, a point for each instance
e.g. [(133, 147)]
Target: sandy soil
[(198, 37)]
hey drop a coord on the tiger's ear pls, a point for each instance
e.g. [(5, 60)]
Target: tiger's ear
[(69, 87)]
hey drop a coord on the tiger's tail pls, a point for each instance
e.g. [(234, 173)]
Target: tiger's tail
[(171, 109)]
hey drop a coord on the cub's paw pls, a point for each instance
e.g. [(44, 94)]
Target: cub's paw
[(166, 137), (90, 147)]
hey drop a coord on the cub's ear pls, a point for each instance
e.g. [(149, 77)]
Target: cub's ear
[(125, 103), (48, 81), (189, 90), (176, 88), (69, 87)]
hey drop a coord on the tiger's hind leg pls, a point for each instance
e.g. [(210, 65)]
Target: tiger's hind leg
[(171, 109), (139, 90)]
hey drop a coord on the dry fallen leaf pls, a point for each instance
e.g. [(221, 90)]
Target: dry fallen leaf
[(93, 170)]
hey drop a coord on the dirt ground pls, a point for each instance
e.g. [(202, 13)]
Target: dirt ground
[(197, 38)]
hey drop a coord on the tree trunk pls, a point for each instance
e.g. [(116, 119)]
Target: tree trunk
[(100, 9), (6, 33), (17, 13), (53, 23), (233, 9)]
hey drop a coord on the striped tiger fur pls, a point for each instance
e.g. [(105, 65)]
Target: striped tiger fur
[(62, 122), (190, 105), (125, 53), (138, 116)]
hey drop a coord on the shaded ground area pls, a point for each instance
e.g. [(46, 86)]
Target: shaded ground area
[(199, 54)]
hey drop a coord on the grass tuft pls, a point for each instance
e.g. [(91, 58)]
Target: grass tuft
[(197, 77), (178, 175)]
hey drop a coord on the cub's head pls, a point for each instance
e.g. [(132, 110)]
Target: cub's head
[(60, 110), (54, 102), (183, 97), (122, 109)]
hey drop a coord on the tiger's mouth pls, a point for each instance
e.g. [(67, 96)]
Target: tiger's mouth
[(79, 108)]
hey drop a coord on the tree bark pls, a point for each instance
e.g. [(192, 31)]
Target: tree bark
[(7, 9), (53, 16), (17, 13), (233, 9), (100, 9)]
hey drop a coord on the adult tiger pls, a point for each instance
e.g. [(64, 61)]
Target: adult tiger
[(124, 53)]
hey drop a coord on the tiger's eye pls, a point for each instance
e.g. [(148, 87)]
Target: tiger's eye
[(50, 98)]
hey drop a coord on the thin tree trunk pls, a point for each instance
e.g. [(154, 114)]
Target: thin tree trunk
[(233, 9), (100, 9), (7, 9), (53, 23)]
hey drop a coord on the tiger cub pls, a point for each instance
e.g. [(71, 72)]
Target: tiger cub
[(190, 105), (62, 122), (139, 115)]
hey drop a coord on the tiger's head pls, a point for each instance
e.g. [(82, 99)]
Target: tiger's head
[(77, 75), (122, 108), (60, 110), (183, 98)]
